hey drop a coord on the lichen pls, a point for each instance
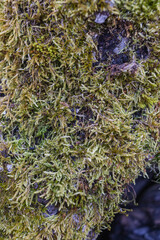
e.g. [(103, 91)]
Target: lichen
[(74, 135)]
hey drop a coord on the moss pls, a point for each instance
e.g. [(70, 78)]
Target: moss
[(75, 136)]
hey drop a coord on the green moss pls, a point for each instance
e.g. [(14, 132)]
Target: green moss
[(72, 135)]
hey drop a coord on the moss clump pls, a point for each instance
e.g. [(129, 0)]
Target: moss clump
[(74, 137)]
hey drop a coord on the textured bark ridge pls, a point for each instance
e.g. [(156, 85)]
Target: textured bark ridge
[(117, 48)]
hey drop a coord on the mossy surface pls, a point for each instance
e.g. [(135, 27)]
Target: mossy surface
[(75, 136)]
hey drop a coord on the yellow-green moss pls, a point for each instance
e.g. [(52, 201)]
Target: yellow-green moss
[(71, 134)]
